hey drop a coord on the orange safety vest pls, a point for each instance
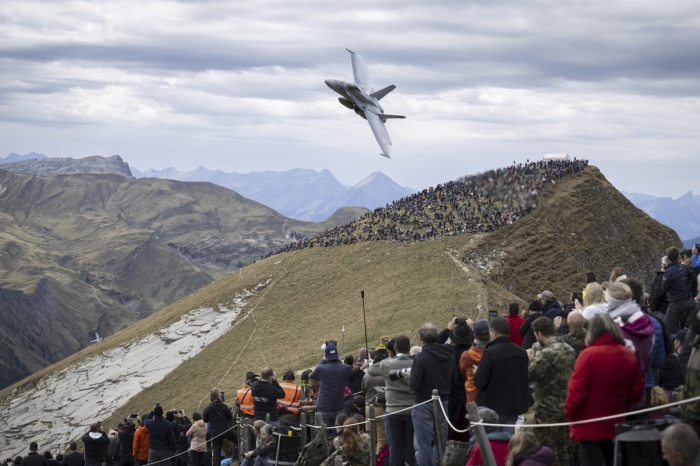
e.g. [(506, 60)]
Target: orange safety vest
[(245, 400), (292, 393)]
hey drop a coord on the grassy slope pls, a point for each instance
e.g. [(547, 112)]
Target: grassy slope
[(313, 292)]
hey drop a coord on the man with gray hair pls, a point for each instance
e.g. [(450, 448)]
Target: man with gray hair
[(432, 369), (680, 445)]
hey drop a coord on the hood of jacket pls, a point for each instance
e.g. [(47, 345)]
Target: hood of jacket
[(95, 435), (606, 339), (623, 310), (442, 353), (638, 325), (553, 304), (199, 423)]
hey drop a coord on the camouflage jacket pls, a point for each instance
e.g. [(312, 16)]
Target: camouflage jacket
[(358, 458), (550, 370), (574, 339)]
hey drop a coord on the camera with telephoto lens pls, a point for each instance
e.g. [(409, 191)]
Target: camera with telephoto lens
[(397, 374)]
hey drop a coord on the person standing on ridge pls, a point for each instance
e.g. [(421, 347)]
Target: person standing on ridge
[(502, 376), (161, 437), (432, 369), (94, 442), (289, 405), (550, 370), (33, 458), (332, 378), (515, 321), (676, 285), (266, 392), (220, 420)]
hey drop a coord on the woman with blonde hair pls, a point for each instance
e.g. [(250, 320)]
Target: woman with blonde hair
[(354, 449), (593, 302), (524, 450)]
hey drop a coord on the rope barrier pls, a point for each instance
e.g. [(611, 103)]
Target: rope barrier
[(198, 445), (378, 417), (474, 424), (563, 424)]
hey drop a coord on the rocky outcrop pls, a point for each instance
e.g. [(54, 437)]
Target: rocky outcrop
[(95, 165), (60, 407)]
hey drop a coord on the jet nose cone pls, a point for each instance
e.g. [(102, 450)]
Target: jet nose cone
[(329, 83)]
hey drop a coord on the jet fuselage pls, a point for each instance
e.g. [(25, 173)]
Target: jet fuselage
[(356, 96)]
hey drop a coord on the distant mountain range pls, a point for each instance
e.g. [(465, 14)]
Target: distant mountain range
[(302, 194), (13, 157), (682, 214)]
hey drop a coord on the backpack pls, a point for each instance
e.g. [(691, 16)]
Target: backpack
[(314, 452)]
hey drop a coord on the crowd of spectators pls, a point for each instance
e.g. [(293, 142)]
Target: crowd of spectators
[(473, 204), (611, 351)]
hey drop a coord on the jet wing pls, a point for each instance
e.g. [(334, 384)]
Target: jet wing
[(380, 132), (359, 70)]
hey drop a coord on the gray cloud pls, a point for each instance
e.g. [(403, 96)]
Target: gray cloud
[(160, 81)]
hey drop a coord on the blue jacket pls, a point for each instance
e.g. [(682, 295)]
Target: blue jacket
[(695, 263), (161, 436), (658, 353), (332, 377), (675, 283)]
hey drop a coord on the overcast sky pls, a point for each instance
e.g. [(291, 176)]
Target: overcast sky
[(238, 86)]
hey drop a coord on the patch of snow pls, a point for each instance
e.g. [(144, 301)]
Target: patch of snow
[(60, 407)]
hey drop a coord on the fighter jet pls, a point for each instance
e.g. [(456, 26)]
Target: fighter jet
[(361, 98)]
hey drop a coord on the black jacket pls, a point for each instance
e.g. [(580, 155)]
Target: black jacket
[(527, 332), (552, 309), (180, 431), (501, 378), (658, 302), (126, 442), (355, 380), (458, 393), (94, 447), (219, 417), (161, 436), (433, 368), (34, 459), (265, 395), (73, 459), (676, 282), (671, 374)]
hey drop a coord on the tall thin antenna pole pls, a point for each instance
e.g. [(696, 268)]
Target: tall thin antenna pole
[(364, 316)]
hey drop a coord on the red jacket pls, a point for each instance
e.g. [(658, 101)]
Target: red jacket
[(515, 322), (606, 381)]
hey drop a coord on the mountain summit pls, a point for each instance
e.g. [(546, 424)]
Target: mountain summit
[(302, 194), (13, 157), (67, 166)]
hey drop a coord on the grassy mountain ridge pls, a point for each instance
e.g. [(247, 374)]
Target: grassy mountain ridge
[(582, 226)]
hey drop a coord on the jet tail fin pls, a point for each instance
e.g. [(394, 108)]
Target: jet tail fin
[(382, 92)]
